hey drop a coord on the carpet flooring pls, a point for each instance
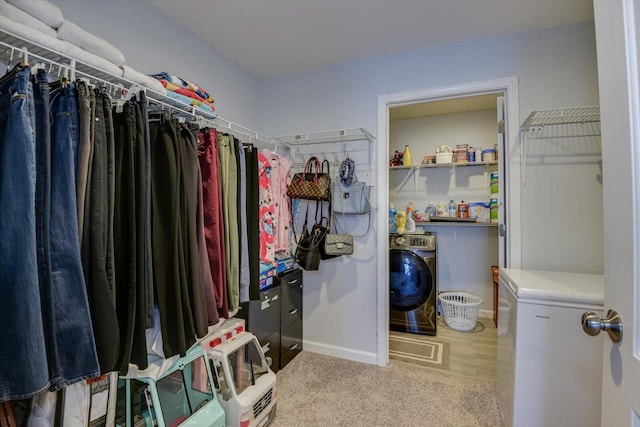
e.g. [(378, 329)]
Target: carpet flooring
[(317, 390)]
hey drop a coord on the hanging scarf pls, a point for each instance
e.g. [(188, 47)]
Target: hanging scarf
[(347, 171)]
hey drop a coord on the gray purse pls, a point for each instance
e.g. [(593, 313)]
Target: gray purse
[(338, 244)]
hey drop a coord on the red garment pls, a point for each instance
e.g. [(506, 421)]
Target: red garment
[(213, 221), (193, 95)]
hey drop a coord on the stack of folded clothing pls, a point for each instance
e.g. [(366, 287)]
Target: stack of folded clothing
[(186, 91), (41, 22)]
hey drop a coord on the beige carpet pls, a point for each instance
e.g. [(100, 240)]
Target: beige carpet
[(418, 349), (318, 390)]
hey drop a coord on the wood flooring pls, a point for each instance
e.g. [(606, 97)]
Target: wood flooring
[(472, 354)]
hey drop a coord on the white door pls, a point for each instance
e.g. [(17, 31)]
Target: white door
[(617, 24), (501, 125)]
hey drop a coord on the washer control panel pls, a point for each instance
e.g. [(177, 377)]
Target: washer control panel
[(409, 241)]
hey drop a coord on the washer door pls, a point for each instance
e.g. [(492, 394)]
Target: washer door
[(410, 280)]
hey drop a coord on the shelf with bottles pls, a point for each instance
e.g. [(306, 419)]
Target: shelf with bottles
[(456, 222), (443, 165)]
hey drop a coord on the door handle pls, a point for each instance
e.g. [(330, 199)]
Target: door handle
[(612, 324)]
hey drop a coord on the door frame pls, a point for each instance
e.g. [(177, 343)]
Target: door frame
[(509, 87)]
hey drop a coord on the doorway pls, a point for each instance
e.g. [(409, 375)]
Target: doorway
[(508, 168)]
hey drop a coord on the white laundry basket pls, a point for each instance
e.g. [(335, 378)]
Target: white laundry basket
[(460, 309)]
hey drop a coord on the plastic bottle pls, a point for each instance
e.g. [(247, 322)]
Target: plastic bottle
[(452, 209), (463, 210), (392, 218), (411, 225), (401, 222), (410, 209), (406, 156)]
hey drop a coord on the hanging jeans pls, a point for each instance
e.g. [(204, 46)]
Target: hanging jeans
[(72, 353), (23, 361), (84, 151), (213, 222)]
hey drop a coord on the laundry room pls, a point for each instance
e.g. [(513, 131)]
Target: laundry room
[(446, 133)]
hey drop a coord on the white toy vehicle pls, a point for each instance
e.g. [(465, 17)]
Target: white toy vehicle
[(245, 385), (170, 393)]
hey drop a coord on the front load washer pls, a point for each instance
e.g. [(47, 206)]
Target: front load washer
[(412, 283)]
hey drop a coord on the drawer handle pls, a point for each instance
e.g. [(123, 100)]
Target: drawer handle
[(294, 311), (293, 346), (291, 282)]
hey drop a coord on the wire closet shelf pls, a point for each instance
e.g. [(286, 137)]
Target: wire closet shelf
[(14, 48), (353, 143), (575, 132), (537, 120)]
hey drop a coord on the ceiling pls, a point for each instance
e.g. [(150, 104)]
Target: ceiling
[(270, 38)]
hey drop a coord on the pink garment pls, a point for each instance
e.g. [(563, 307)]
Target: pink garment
[(280, 180), (266, 213)]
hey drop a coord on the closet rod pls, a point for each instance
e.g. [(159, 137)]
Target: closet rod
[(69, 68)]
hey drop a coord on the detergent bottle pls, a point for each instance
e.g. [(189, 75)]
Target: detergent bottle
[(406, 157), (401, 222), (392, 218)]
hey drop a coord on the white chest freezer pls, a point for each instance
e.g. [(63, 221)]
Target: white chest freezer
[(549, 372)]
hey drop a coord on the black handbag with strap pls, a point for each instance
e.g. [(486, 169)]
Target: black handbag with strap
[(308, 246)]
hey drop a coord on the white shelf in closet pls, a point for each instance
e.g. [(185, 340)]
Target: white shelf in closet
[(442, 165), (454, 224), (413, 168)]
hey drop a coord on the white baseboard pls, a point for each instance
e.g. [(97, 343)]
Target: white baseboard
[(486, 313), (341, 352)]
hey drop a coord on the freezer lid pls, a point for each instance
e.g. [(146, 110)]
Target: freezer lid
[(556, 288)]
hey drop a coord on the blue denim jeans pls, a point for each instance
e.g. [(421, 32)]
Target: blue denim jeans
[(72, 353), (23, 357)]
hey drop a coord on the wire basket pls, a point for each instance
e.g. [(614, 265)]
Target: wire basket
[(460, 309)]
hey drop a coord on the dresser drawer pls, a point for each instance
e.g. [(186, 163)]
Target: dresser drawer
[(290, 342), (290, 279), (290, 306), (271, 348), (264, 314)]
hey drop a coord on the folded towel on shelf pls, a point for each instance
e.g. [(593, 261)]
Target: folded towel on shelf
[(44, 10), (92, 60), (170, 86), (34, 36), (184, 84), (18, 15), (75, 35), (143, 79), (205, 108)]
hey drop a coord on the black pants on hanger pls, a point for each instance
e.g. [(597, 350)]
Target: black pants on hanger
[(131, 289), (97, 242), (253, 220), (178, 330), (146, 166), (187, 149)]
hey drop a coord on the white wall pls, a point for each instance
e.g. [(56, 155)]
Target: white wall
[(151, 43), (556, 68)]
